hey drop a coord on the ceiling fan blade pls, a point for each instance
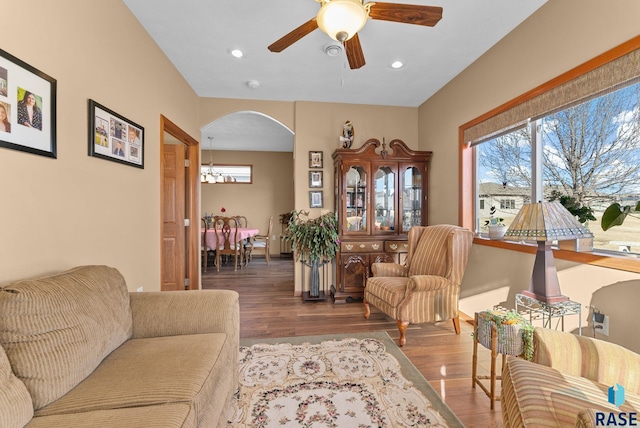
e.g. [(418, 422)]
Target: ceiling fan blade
[(355, 56), (406, 13), (295, 35)]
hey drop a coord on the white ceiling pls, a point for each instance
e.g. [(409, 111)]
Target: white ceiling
[(197, 36)]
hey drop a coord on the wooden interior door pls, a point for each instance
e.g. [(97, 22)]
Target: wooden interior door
[(173, 230)]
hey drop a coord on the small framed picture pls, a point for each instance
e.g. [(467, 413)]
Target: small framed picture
[(114, 137), (315, 159), (316, 199), (315, 178)]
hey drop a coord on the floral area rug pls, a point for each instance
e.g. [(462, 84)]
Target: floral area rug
[(356, 380)]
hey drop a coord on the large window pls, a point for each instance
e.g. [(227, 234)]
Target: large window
[(588, 152), (575, 137)]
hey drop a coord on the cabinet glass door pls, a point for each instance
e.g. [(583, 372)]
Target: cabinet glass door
[(384, 180), (356, 199), (411, 197)]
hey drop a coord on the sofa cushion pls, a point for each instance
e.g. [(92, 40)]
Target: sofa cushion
[(172, 415), (539, 396), (16, 408), (155, 370), (56, 329)]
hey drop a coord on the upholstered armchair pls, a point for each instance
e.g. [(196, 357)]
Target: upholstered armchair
[(427, 287)]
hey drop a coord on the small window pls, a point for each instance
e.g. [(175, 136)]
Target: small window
[(226, 174), (507, 204)]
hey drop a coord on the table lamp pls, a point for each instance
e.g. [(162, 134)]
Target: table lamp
[(544, 222)]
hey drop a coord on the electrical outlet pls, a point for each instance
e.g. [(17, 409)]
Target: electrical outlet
[(140, 289), (603, 326)]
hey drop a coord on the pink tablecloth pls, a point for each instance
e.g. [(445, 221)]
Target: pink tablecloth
[(243, 233)]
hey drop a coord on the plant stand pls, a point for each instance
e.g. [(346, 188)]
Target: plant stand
[(317, 287), (506, 342), (538, 310)]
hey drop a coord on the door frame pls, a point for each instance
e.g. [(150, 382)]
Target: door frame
[(192, 200)]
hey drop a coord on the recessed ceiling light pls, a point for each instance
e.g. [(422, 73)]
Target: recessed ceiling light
[(237, 53), (397, 64)]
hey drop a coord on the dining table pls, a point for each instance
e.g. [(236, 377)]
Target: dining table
[(243, 233)]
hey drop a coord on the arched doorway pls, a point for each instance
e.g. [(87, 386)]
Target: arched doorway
[(255, 139)]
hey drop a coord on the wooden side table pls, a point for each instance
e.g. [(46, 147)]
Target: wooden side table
[(505, 347)]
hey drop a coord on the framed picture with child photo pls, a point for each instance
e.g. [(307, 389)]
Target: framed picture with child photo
[(27, 108), (114, 137)]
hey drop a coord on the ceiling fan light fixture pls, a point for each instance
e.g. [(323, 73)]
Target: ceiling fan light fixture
[(342, 19)]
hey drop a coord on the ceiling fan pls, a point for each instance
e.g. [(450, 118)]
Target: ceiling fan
[(342, 19)]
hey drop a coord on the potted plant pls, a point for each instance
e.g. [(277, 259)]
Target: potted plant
[(285, 243), (385, 224), (583, 214), (496, 227), (515, 333), (314, 241)]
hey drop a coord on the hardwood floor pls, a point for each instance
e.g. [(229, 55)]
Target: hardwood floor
[(268, 308)]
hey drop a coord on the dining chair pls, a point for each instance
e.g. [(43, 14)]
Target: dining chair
[(426, 288), (227, 244), (203, 245), (261, 242), (242, 221)]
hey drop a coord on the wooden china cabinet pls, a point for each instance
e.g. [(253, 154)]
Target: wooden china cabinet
[(380, 193)]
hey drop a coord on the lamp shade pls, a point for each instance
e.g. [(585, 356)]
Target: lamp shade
[(341, 19), (545, 221)]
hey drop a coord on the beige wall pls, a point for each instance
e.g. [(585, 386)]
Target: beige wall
[(270, 194), (318, 127), (560, 36), (78, 209)]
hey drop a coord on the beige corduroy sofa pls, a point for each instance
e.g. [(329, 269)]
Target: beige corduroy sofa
[(567, 383), (79, 350)]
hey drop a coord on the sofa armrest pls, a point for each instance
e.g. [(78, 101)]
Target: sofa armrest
[(389, 269), (586, 418), (594, 359), (173, 313)]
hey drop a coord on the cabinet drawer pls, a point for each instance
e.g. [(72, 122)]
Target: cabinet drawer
[(361, 246), (396, 246)]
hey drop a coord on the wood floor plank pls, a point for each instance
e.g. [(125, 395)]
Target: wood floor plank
[(268, 309)]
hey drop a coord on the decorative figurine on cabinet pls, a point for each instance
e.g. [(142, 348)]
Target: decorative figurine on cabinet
[(346, 139)]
